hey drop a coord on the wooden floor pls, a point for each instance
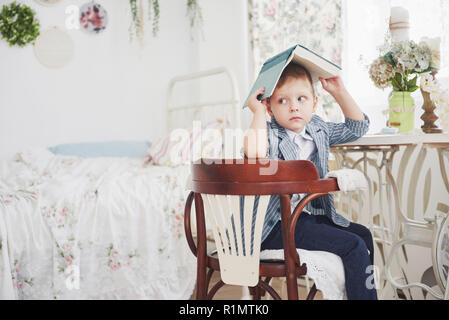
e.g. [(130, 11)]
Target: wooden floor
[(229, 292)]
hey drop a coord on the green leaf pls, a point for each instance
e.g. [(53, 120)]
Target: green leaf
[(412, 89), (412, 82), (388, 58), (396, 81)]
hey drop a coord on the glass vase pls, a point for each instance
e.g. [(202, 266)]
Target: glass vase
[(402, 111)]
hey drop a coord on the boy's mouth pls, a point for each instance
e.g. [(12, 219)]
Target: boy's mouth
[(295, 118)]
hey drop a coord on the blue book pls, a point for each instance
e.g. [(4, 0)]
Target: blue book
[(272, 68)]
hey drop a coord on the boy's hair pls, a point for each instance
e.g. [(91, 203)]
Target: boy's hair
[(293, 70)]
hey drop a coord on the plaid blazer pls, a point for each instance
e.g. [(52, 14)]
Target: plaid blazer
[(324, 134)]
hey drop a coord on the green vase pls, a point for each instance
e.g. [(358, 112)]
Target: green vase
[(402, 111)]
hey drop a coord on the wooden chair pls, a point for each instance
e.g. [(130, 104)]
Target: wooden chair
[(218, 187)]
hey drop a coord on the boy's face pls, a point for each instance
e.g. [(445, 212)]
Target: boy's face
[(293, 104)]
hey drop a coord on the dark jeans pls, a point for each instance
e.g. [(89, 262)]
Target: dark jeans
[(351, 244)]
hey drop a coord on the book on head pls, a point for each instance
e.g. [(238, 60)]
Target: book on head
[(272, 68)]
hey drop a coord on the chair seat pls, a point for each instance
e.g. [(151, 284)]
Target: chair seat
[(325, 268)]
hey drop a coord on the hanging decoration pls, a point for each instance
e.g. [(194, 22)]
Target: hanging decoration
[(18, 24), (137, 16), (48, 2), (136, 27), (54, 48), (153, 15), (93, 17), (194, 14)]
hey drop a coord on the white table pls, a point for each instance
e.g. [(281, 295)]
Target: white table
[(408, 180)]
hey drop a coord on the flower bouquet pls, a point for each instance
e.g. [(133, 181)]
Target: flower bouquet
[(399, 66)]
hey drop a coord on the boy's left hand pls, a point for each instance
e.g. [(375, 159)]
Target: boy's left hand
[(332, 85)]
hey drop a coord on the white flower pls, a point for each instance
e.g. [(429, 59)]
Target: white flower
[(422, 56), (427, 82), (434, 47), (408, 56)]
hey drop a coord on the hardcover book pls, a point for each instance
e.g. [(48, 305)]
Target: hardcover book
[(272, 68)]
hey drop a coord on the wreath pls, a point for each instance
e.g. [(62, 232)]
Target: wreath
[(18, 24)]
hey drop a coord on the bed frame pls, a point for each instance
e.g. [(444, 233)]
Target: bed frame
[(227, 109)]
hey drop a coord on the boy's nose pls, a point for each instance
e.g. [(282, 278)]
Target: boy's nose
[(294, 106)]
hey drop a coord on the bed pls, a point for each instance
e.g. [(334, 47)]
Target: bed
[(75, 227)]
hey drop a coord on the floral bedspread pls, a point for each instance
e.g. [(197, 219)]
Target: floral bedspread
[(104, 228)]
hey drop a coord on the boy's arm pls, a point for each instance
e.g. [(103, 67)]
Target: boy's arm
[(347, 131), (356, 122), (347, 104), (255, 142)]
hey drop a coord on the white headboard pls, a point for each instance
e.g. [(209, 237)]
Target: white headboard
[(227, 108)]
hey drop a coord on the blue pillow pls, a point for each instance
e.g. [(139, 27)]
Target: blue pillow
[(114, 149)]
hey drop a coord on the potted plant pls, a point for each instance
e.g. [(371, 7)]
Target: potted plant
[(399, 66)]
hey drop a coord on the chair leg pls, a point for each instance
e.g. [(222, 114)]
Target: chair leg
[(201, 280), (292, 288), (273, 294), (255, 292), (214, 289), (312, 293), (262, 290), (259, 290), (208, 278), (291, 277)]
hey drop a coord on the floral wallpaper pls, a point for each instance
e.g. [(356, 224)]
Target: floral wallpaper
[(278, 25)]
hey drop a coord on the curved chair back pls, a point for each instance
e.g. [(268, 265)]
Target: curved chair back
[(234, 195)]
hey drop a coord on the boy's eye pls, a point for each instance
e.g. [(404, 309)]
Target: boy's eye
[(283, 101), (302, 98)]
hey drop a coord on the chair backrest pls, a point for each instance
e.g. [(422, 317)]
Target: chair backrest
[(223, 187)]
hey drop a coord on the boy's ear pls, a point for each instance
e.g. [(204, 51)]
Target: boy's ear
[(266, 103), (315, 103)]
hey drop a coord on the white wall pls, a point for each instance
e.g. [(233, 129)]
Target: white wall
[(112, 89), (226, 43)]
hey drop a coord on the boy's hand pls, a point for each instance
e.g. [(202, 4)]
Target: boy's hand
[(254, 104), (347, 104), (333, 85)]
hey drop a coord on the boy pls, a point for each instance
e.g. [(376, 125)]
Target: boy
[(295, 133)]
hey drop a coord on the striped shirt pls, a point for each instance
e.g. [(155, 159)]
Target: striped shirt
[(325, 135), (306, 147)]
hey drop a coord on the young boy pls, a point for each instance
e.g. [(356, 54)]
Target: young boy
[(295, 133)]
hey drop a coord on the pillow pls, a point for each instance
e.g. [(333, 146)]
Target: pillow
[(182, 147), (114, 149)]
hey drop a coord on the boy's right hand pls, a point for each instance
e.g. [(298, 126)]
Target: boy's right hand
[(254, 104)]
